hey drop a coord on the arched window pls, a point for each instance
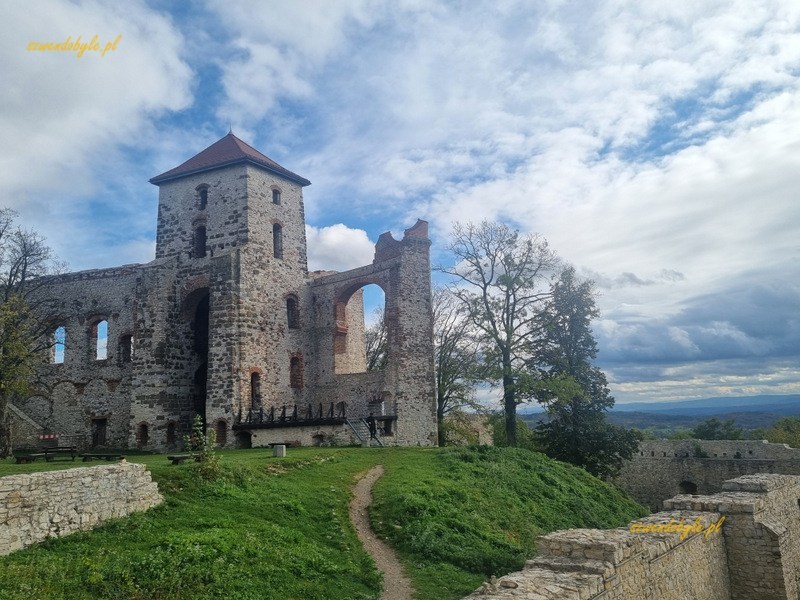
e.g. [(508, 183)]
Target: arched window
[(100, 339), (277, 240), (59, 345), (296, 372), (200, 241), (276, 196), (255, 390), (202, 201), (292, 312), (126, 348), (222, 433)]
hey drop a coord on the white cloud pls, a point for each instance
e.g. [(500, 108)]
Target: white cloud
[(64, 119), (338, 248)]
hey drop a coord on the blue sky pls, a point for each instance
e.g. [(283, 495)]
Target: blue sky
[(655, 145)]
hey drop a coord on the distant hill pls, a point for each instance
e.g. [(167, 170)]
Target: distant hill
[(781, 405), (749, 412)]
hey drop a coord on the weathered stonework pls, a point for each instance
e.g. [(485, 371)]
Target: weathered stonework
[(746, 546), (227, 323), (663, 468), (56, 503)]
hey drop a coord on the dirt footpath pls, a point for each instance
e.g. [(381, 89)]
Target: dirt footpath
[(396, 586)]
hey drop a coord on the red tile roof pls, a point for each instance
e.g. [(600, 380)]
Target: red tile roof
[(230, 150)]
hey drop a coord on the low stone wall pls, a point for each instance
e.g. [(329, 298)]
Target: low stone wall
[(37, 506), (743, 543)]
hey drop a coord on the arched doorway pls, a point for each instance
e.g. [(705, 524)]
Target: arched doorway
[(687, 487), (197, 307)]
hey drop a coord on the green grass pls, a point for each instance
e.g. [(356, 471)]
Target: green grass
[(279, 528)]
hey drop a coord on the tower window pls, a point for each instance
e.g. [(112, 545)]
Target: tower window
[(277, 240), (203, 201), (292, 312), (296, 372), (200, 242), (276, 196)]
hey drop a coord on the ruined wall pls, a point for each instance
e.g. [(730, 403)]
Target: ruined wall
[(661, 466), (56, 503), (744, 546), (402, 270), (85, 396)]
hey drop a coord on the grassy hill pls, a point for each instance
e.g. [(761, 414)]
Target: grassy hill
[(279, 528)]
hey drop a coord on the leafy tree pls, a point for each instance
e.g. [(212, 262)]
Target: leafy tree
[(715, 429), (454, 356), (18, 359), (573, 391), (525, 435), (785, 431), (501, 281), (24, 257), (577, 430)]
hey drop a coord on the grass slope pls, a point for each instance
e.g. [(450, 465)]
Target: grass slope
[(279, 528)]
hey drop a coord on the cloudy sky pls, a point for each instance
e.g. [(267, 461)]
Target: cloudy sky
[(656, 145)]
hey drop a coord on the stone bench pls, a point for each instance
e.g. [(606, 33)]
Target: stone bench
[(27, 458), (101, 456), (179, 458)]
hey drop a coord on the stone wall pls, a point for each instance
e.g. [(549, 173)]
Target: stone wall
[(740, 544), (37, 506), (664, 468)]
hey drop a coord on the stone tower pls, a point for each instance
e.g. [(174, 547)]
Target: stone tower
[(231, 227)]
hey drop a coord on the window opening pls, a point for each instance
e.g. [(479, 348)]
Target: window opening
[(255, 391), (126, 348), (292, 312), (101, 339), (277, 240), (59, 344), (296, 372), (200, 242)]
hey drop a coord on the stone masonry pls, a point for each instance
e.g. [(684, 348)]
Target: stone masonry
[(228, 324), (56, 503), (740, 544)]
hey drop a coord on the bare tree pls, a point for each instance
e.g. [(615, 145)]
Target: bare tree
[(455, 357), (502, 281), (375, 341), (24, 258)]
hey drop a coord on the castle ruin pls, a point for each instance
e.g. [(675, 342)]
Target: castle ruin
[(228, 324)]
